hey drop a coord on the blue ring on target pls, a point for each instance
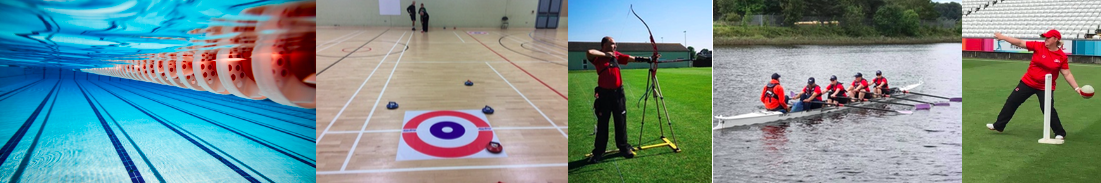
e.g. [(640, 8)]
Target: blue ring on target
[(457, 130)]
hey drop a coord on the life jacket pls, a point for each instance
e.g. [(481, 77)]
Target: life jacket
[(833, 87), (772, 98), (808, 91), (862, 80), (770, 93), (881, 81)]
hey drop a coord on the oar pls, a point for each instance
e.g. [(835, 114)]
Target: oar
[(951, 99), (916, 107), (912, 100), (922, 106), (869, 108)]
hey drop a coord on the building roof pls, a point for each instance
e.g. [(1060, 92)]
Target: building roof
[(629, 47)]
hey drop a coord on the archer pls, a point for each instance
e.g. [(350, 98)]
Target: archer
[(610, 101)]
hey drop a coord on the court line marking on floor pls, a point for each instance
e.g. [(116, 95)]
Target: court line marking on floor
[(534, 45), (457, 35), (529, 101), (338, 42), (368, 120), (334, 39), (518, 67), (357, 49), (494, 128), (532, 36), (358, 89), (469, 62), (441, 168)]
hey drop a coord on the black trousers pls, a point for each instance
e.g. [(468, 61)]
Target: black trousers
[(1019, 95), (610, 104), (424, 23)]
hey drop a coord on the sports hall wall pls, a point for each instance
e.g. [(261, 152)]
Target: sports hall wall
[(450, 13)]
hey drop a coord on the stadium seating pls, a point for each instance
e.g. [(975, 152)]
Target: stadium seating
[(1075, 19)]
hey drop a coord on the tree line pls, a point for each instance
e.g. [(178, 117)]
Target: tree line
[(856, 17)]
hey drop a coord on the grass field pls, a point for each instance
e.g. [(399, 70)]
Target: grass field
[(1014, 155), (687, 93)]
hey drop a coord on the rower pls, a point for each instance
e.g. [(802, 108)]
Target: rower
[(835, 92), (859, 83), (880, 82), (809, 98), (773, 95)]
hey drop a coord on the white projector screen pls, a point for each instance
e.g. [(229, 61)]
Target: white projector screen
[(389, 7)]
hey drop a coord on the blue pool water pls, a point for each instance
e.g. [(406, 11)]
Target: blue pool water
[(58, 124), (103, 129)]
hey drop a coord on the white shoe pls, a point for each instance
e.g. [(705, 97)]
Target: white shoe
[(1058, 137), (991, 127)]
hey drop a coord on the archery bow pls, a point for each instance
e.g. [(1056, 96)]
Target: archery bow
[(653, 58)]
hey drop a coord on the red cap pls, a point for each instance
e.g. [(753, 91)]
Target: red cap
[(1052, 33)]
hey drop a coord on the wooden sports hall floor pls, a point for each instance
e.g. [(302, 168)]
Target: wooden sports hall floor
[(521, 73)]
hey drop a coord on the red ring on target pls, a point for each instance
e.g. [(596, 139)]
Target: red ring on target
[(415, 142)]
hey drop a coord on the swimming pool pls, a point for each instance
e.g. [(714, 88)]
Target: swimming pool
[(63, 120)]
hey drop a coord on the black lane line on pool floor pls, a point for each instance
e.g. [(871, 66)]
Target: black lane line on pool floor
[(353, 51), (188, 138), (17, 89), (270, 145), (131, 169), (130, 140), (5, 152), (284, 131), (158, 91), (206, 143), (30, 150)]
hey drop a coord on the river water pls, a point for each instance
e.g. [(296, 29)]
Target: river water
[(856, 146)]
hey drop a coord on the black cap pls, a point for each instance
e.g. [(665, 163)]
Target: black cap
[(833, 78), (877, 72), (775, 76), (810, 81), (858, 75)]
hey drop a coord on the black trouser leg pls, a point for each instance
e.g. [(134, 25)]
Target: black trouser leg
[(424, 24), (602, 117), (619, 112), (1019, 95), (1056, 125), (610, 104)]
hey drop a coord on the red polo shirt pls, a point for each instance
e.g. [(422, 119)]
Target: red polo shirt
[(1043, 62), (609, 77)]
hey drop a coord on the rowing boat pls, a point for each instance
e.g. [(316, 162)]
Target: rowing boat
[(765, 116)]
